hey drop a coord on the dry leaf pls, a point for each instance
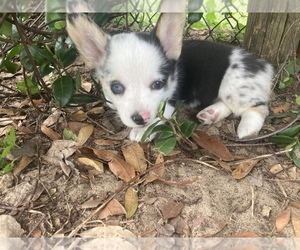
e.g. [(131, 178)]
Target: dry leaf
[(25, 161), (96, 111), (280, 109), (87, 86), (134, 154), (9, 228), (92, 163), (79, 116), (62, 149), (107, 232), (171, 209), (84, 133), (295, 204), (53, 118), (243, 169), (213, 145), (157, 172), (58, 163), (50, 133), (181, 227), (167, 229), (75, 126), (282, 220), (112, 208), (245, 235), (206, 226), (92, 203), (130, 202), (296, 221), (105, 142)]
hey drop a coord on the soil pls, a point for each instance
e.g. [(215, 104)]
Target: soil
[(48, 200)]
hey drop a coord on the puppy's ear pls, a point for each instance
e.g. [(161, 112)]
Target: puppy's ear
[(169, 29), (89, 39)]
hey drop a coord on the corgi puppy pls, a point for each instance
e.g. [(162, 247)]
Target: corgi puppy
[(138, 71)]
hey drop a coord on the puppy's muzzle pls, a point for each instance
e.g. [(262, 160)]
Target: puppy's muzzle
[(141, 118)]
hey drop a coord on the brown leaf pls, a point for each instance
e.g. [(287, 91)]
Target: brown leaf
[(91, 203), (84, 133), (243, 169), (121, 169), (295, 204), (280, 109), (97, 165), (25, 161), (134, 154), (79, 116), (245, 235), (107, 232), (296, 221), (50, 132), (206, 226), (112, 208), (181, 227), (171, 209), (213, 145), (167, 229), (282, 220), (130, 202), (105, 142), (157, 172)]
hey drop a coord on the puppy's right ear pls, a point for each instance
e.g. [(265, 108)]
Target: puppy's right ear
[(89, 39)]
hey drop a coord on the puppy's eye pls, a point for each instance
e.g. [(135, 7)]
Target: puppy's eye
[(117, 88), (158, 84)]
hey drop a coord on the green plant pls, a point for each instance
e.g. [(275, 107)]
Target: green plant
[(6, 146), (289, 139), (289, 72), (169, 131)]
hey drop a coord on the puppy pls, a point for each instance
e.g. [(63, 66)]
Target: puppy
[(138, 71)]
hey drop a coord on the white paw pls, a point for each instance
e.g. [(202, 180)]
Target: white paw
[(136, 134), (251, 123), (214, 113)]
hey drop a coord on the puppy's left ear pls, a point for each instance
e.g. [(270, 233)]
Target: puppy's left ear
[(169, 28)]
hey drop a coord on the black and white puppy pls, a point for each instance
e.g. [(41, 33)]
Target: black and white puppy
[(138, 71)]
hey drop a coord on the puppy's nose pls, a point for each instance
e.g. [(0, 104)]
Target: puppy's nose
[(141, 118), (138, 119)]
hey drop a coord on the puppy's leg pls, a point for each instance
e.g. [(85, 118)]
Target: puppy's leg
[(136, 134), (252, 121), (214, 113)]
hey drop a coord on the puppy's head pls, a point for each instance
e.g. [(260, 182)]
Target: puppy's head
[(137, 71)]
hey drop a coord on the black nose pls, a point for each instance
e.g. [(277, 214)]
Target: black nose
[(138, 119)]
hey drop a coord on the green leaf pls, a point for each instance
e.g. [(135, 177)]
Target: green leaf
[(194, 17), (298, 100), (166, 146), (291, 132), (164, 131), (11, 67), (6, 28), (78, 80), (81, 99), (194, 5), (63, 89), (282, 139), (295, 155), (33, 88), (11, 137), (187, 128), (101, 19), (149, 131), (14, 51)]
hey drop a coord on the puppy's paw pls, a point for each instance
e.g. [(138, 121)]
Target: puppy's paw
[(251, 123), (136, 134), (214, 113)]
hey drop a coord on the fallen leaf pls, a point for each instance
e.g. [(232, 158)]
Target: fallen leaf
[(52, 119), (282, 220), (166, 230), (58, 163), (180, 226), (245, 235), (295, 204), (296, 221), (79, 116), (50, 133), (134, 154), (24, 162), (75, 126), (96, 111), (157, 172), (87, 86), (243, 169), (112, 208), (105, 142), (107, 232), (171, 209), (280, 109), (284, 172), (97, 165), (213, 145), (92, 203), (206, 226), (85, 133), (61, 149), (130, 202)]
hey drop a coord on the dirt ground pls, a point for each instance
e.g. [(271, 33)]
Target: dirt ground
[(196, 196)]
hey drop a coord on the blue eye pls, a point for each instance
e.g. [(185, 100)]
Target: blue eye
[(157, 85), (117, 88)]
